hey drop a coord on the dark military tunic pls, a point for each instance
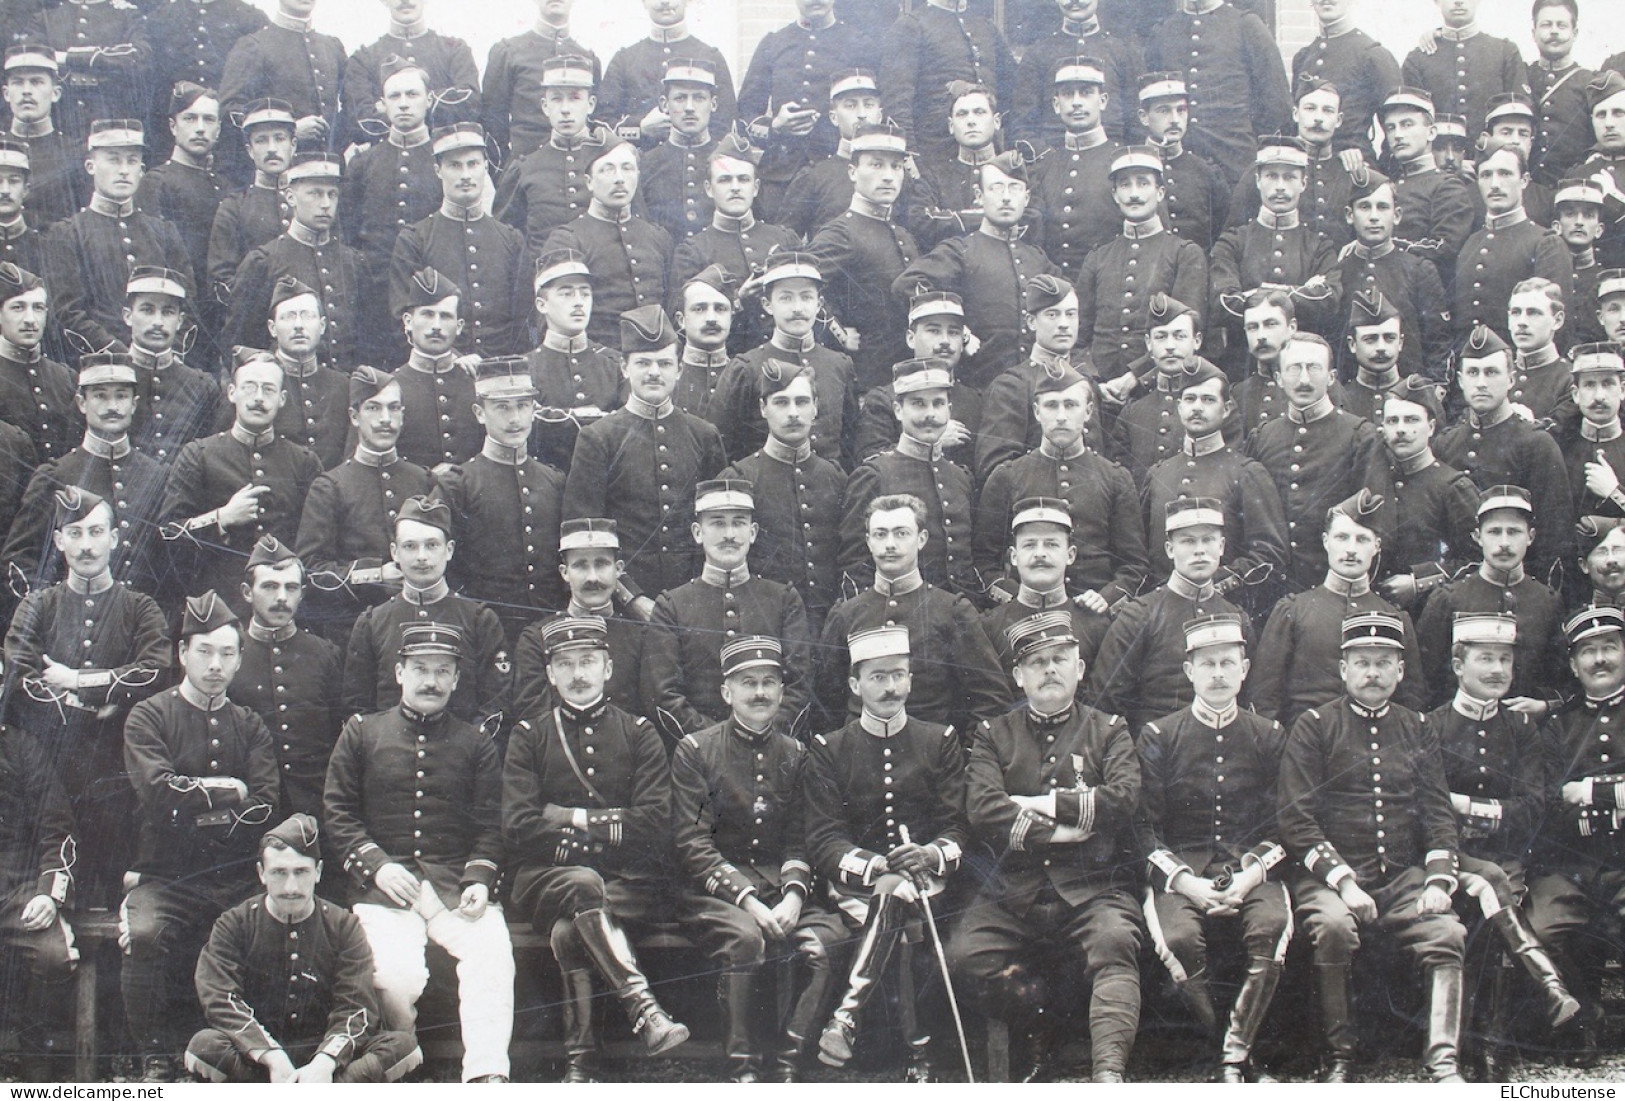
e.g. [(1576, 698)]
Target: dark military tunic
[(627, 258), (640, 470), (488, 262), (1198, 201), (1498, 758), (740, 247), (547, 188), (1563, 134), (793, 64), (1541, 665), (88, 260), (174, 404), (17, 463), (1071, 189), (332, 268), (1438, 213), (309, 416), (1147, 430), (634, 79), (454, 81), (570, 373), (243, 222), (533, 694), (1030, 116), (1295, 661), (878, 428), (190, 40), (1279, 251), (420, 791), (36, 395), (942, 202), (440, 426), (699, 371), (1115, 286), (1583, 743), (293, 680), (1434, 511), (375, 642), (798, 512), (681, 666), (112, 84), (513, 88), (860, 256), (672, 182), (1364, 72), (23, 245), (946, 490), (37, 822), (1463, 74), (1580, 324), (924, 50), (1004, 425), (735, 406), (1089, 628), (818, 193), (290, 62), (1505, 252), (58, 185), (1412, 286), (187, 197), (387, 187), (1255, 529)]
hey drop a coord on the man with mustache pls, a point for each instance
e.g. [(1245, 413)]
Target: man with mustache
[(1508, 250), (291, 678), (1376, 342), (1601, 543), (106, 64), (936, 328), (1268, 321), (1297, 653), (1361, 69), (1577, 217), (21, 243), (82, 653), (1437, 203), (1080, 34), (446, 61), (1606, 165), (36, 392), (1138, 672), (1198, 195), (175, 402), (486, 257), (414, 806), (682, 681), (1364, 806), (1558, 84), (1595, 448), (675, 171), (351, 509), (1541, 382), (587, 822), (205, 776), (228, 491), (705, 311), (1576, 884), (189, 42), (1495, 762), (877, 788), (256, 214), (1461, 67), (924, 53), (821, 189), (33, 86), (514, 73), (792, 286), (630, 96), (946, 199), (1072, 184), (297, 329), (1511, 120), (1053, 789), (1500, 585), (292, 61), (578, 380), (1146, 429), (439, 429), (548, 186), (285, 982), (1207, 795), (738, 806)]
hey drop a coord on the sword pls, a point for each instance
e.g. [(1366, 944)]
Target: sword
[(947, 979)]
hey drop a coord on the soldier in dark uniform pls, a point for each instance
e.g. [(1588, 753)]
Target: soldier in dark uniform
[(107, 67), (704, 311), (548, 187), (1146, 429), (1465, 67), (1541, 381), (944, 200), (57, 185), (421, 546), (190, 41), (1361, 68), (36, 392), (291, 61), (89, 257), (1053, 789), (630, 95), (290, 677), (175, 403), (1137, 673), (586, 821), (1375, 342), (936, 329), (929, 47), (750, 886), (425, 864), (1511, 121), (289, 1008), (1605, 165), (21, 243), (1071, 185), (1080, 34), (869, 784), (639, 465), (1611, 304), (1594, 448), (1509, 249), (790, 297), (674, 173), (314, 390), (515, 71), (1317, 110), (81, 653), (309, 252), (1392, 867), (1297, 653), (1207, 795), (1577, 206), (578, 380), (1558, 85), (1600, 541), (505, 505), (1198, 193), (1436, 205), (440, 429), (487, 259), (205, 775), (107, 465), (228, 491), (257, 214), (447, 62), (821, 188)]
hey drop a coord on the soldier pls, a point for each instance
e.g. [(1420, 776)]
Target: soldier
[(626, 254), (1437, 204), (515, 74), (1072, 185), (190, 42), (589, 842), (1198, 194), (205, 775), (425, 864), (792, 287), (175, 403), (1595, 452), (936, 329), (1119, 281), (681, 686), (548, 187), (675, 171), (82, 653), (1268, 321), (309, 252), (421, 546), (1052, 788), (290, 677), (632, 79), (292, 61), (36, 392), (89, 257), (447, 61), (869, 784), (750, 885), (1611, 304), (1137, 673), (485, 258), (1462, 68), (20, 242), (945, 200), (1146, 429), (437, 390), (1297, 651), (916, 467), (1558, 84), (1606, 164), (1362, 70), (257, 214), (1452, 149), (302, 1013), (1577, 206), (505, 505), (228, 491), (314, 390), (1080, 34), (1317, 111), (578, 380), (704, 312), (924, 51), (1393, 865), (57, 187), (1542, 383), (1206, 864), (1376, 341), (1601, 543), (1508, 250), (639, 465), (107, 68), (1511, 121), (1316, 453), (1108, 560), (822, 188)]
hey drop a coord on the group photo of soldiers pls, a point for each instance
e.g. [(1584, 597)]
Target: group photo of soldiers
[(1020, 540)]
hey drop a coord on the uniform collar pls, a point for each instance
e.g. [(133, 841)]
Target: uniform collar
[(1564, 66), (42, 128), (699, 357), (1200, 446), (434, 594), (544, 29), (1042, 721), (1366, 712), (1612, 600), (745, 733), (1139, 231), (567, 144), (253, 439), (911, 448), (1540, 357), (417, 29), (1502, 579), (868, 208), (598, 210), (297, 368), (502, 453), (200, 701), (101, 204), (901, 586), (1053, 363), (667, 35), (432, 365), (1076, 451), (573, 345), (1375, 381), (418, 718), (1500, 417), (843, 149), (974, 158), (783, 342), (719, 578), (1608, 702), (1216, 720), (774, 448), (1505, 221), (1042, 601), (10, 231), (1200, 7), (411, 139), (280, 18), (1273, 221), (640, 408), (366, 456), (1337, 28), (110, 450), (1420, 164), (953, 7), (727, 223), (1416, 463), (1458, 34), (1089, 139), (10, 351), (1316, 412), (884, 728), (98, 584), (1080, 28), (677, 140), (302, 233), (605, 611), (1180, 585), (1345, 588), (578, 715), (259, 632), (1373, 252), (826, 24), (267, 183), (1473, 708), (1605, 434), (153, 361), (458, 213)]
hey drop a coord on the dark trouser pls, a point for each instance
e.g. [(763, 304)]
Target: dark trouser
[(378, 1057), (168, 922), (1429, 940), (1178, 928), (36, 966), (1578, 912), (551, 898)]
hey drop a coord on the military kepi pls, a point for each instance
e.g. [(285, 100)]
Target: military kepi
[(420, 640), (1039, 632), (879, 642), (1218, 629), (751, 652), (1374, 629), (1592, 620), (588, 533), (574, 632)]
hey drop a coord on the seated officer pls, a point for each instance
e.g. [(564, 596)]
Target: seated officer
[(286, 982)]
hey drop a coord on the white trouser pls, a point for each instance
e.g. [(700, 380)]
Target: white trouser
[(485, 972)]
